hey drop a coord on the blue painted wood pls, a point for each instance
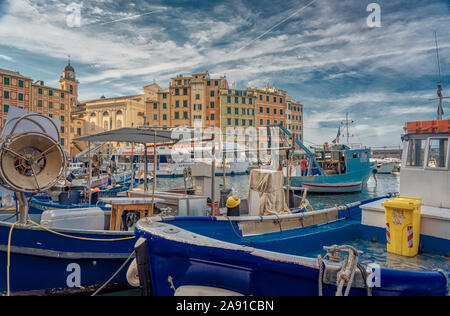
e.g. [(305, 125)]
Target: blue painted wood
[(42, 262), (189, 263)]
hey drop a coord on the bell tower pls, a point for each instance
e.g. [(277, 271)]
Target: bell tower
[(69, 82)]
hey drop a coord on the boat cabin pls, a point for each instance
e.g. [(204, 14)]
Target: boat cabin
[(425, 166), (424, 174), (339, 159)]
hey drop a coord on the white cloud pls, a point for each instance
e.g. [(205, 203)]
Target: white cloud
[(328, 40), (7, 58)]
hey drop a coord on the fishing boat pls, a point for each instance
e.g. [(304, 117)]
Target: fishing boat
[(58, 251), (336, 251), (334, 169)]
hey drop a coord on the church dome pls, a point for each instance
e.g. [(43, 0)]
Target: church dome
[(69, 68)]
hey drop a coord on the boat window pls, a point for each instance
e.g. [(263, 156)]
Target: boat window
[(355, 155), (364, 156), (437, 153), (416, 153), (163, 159)]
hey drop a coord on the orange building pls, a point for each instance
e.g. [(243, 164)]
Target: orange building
[(18, 90), (271, 106)]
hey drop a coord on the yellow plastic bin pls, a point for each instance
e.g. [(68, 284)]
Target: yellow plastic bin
[(403, 225)]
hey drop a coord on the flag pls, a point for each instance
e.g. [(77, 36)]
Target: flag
[(440, 111), (232, 84), (336, 140)]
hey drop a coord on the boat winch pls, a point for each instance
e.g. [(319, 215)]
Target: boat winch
[(31, 158)]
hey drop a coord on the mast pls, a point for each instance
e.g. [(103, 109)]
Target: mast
[(346, 126), (440, 111), (347, 132)]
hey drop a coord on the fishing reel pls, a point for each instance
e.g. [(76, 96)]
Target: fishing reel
[(31, 158)]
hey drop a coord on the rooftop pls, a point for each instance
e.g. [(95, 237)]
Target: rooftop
[(12, 73)]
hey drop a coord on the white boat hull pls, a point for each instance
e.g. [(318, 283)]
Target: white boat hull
[(334, 187), (386, 167)]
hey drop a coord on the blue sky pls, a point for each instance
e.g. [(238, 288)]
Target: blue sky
[(324, 55)]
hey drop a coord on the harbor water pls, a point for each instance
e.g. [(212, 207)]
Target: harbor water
[(378, 185)]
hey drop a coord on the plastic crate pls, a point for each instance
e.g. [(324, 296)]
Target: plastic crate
[(428, 127)]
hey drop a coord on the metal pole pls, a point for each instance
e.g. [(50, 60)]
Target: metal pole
[(288, 173), (224, 170), (346, 125), (132, 169), (145, 168), (155, 158), (90, 172), (213, 174), (22, 207)]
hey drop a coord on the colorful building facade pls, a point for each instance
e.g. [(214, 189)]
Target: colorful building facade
[(271, 105), (20, 91), (237, 109), (187, 99)]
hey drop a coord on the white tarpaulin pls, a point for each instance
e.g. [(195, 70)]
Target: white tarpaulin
[(29, 125)]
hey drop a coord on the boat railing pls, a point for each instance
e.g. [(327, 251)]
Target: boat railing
[(254, 225)]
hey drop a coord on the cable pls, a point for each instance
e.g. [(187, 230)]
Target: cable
[(56, 233), (80, 238), (236, 233), (115, 274), (8, 292)]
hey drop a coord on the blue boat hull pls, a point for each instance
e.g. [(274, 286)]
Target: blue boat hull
[(213, 253), (340, 183), (43, 263), (42, 203)]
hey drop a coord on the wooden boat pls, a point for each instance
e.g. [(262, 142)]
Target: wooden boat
[(302, 254), (62, 251)]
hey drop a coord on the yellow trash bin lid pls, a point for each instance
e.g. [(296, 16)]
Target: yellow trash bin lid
[(404, 203), (233, 202)]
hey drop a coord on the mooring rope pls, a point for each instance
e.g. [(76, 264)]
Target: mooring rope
[(115, 274), (346, 274)]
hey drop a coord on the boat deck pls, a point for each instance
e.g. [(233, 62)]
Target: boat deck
[(435, 221)]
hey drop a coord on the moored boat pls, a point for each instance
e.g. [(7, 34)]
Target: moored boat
[(59, 251), (314, 253), (335, 169)]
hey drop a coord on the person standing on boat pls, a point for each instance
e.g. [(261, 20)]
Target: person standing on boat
[(304, 166)]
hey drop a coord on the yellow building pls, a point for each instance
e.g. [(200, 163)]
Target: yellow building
[(237, 109)]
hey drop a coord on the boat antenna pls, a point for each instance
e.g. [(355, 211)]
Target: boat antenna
[(440, 111), (347, 123)]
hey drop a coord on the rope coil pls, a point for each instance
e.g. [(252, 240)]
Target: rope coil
[(346, 274)]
